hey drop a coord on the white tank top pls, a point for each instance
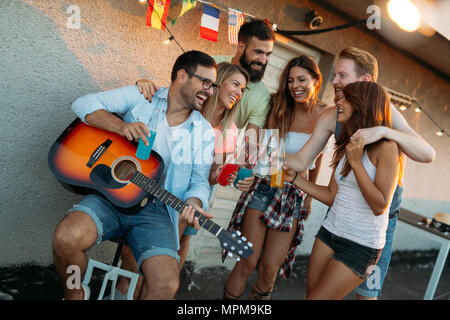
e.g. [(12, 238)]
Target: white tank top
[(295, 141), (350, 217)]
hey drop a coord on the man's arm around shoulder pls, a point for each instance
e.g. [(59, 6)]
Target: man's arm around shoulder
[(409, 141)]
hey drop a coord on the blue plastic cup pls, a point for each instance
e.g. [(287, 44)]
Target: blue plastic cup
[(242, 174), (143, 152)]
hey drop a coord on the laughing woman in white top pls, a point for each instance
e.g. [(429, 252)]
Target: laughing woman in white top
[(349, 243)]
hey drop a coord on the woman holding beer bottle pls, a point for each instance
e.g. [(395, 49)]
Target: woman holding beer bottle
[(271, 216)]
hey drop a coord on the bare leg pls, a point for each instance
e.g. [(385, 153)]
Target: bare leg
[(184, 249), (161, 278), (336, 282), (129, 263), (254, 230), (276, 247), (360, 297), (320, 256), (74, 235)]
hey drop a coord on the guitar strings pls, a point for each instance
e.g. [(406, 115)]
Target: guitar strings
[(127, 165)]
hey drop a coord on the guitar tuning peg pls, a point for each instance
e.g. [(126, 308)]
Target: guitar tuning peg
[(238, 259), (250, 244)]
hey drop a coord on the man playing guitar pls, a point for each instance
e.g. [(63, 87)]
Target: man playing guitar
[(184, 143)]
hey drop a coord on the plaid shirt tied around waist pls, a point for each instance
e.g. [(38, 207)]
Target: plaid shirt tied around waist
[(279, 215)]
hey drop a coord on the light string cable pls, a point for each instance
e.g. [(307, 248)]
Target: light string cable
[(310, 32), (167, 29), (225, 9), (283, 32), (291, 32), (432, 120)]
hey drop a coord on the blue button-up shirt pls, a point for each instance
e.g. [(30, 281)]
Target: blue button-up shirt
[(192, 152)]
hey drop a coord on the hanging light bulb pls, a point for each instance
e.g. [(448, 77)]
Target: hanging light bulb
[(440, 133), (142, 2), (418, 109), (405, 14), (168, 41), (403, 107)]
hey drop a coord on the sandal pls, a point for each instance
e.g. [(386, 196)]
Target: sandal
[(229, 296), (258, 294)]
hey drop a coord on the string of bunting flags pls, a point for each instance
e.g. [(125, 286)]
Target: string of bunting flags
[(157, 16), (209, 26)]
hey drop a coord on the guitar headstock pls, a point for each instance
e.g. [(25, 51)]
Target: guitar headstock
[(235, 244)]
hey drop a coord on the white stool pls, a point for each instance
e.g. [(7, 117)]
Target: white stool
[(113, 271)]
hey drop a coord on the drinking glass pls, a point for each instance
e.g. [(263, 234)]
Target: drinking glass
[(277, 173)]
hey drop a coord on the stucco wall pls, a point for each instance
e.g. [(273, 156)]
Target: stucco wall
[(45, 66)]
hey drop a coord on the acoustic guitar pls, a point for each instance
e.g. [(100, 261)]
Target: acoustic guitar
[(86, 159)]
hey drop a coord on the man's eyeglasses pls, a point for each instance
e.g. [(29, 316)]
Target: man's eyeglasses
[(207, 84)]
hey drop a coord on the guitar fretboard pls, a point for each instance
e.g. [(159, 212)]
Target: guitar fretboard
[(166, 197)]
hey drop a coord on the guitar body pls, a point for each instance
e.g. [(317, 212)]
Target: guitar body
[(90, 160), (86, 160)]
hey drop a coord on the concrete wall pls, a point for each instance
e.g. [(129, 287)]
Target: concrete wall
[(45, 66)]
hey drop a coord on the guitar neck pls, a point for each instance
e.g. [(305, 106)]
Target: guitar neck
[(169, 199)]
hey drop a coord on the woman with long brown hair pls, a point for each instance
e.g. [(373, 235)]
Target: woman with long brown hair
[(272, 218), (349, 243)]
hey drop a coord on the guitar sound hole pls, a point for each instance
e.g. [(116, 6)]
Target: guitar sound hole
[(124, 170)]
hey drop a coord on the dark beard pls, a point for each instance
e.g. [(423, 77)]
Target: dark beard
[(255, 75)]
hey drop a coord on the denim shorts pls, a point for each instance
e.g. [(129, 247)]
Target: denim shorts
[(149, 233), (373, 285), (262, 197), (360, 259)]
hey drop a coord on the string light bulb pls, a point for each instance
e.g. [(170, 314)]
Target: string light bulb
[(405, 14), (403, 107), (418, 109), (142, 2), (440, 133), (168, 41)]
